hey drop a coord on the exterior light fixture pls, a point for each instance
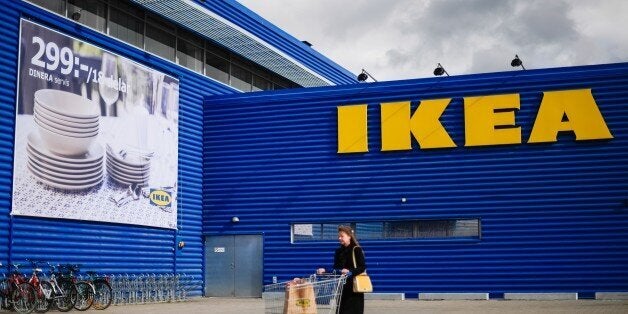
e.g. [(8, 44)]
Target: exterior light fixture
[(403, 199), (362, 77), (76, 15), (235, 219), (440, 70), (517, 62)]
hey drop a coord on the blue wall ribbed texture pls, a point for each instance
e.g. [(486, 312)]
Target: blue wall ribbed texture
[(108, 248), (554, 216)]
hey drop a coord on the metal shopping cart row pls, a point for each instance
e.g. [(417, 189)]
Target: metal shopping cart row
[(152, 288)]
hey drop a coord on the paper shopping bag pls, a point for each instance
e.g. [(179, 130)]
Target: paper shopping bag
[(300, 298)]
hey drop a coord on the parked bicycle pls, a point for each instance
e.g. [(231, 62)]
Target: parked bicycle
[(84, 290), (63, 292), (16, 293), (42, 303), (103, 295)]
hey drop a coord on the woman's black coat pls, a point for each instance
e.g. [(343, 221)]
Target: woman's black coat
[(350, 302)]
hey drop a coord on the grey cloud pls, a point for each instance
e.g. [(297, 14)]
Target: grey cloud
[(397, 58), (493, 59), (444, 29), (397, 39), (496, 30), (541, 22), (446, 19), (346, 20)]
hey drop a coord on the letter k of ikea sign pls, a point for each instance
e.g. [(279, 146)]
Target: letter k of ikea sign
[(489, 120)]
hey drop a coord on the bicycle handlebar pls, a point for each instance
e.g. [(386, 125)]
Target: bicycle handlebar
[(34, 263)]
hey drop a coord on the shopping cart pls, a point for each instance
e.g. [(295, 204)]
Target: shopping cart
[(314, 295)]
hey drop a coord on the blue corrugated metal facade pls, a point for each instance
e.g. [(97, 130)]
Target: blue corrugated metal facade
[(554, 216), (107, 248)]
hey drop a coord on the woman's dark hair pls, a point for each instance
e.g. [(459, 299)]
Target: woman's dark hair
[(347, 230)]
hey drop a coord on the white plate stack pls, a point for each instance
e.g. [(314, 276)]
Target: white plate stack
[(62, 153), (64, 172), (128, 167)]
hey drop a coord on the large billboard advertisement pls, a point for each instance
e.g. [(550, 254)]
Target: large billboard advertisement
[(96, 134)]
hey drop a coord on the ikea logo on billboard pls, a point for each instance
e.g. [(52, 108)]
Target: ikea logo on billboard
[(160, 198), (488, 120)]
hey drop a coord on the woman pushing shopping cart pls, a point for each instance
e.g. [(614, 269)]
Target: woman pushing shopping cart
[(326, 293)]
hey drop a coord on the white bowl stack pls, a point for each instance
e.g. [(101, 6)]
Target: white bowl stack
[(67, 122), (62, 153), (128, 167)]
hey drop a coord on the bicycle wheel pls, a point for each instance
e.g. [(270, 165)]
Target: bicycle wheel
[(44, 301), (66, 300), (23, 298), (103, 296), (84, 295)]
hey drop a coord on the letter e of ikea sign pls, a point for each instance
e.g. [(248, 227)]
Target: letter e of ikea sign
[(489, 120), (480, 120)]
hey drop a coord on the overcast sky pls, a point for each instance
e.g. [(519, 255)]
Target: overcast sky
[(399, 39)]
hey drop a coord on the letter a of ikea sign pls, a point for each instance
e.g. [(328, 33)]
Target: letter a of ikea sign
[(489, 120)]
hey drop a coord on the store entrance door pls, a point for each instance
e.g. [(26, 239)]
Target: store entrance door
[(233, 266)]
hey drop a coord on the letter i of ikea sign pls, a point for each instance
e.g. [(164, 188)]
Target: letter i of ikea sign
[(489, 120)]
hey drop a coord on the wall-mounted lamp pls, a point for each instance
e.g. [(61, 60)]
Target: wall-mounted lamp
[(235, 219), (362, 77), (77, 15), (440, 70), (403, 200), (181, 244), (516, 62)]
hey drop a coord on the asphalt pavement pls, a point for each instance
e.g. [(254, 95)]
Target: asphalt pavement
[(246, 306)]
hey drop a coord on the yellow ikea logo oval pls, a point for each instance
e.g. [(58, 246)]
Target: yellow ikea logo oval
[(303, 303), (160, 198)]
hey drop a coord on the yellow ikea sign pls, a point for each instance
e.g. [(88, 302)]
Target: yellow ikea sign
[(489, 120)]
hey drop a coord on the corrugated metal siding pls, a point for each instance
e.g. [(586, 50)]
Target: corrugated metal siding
[(8, 60), (110, 248), (183, 13), (554, 216)]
